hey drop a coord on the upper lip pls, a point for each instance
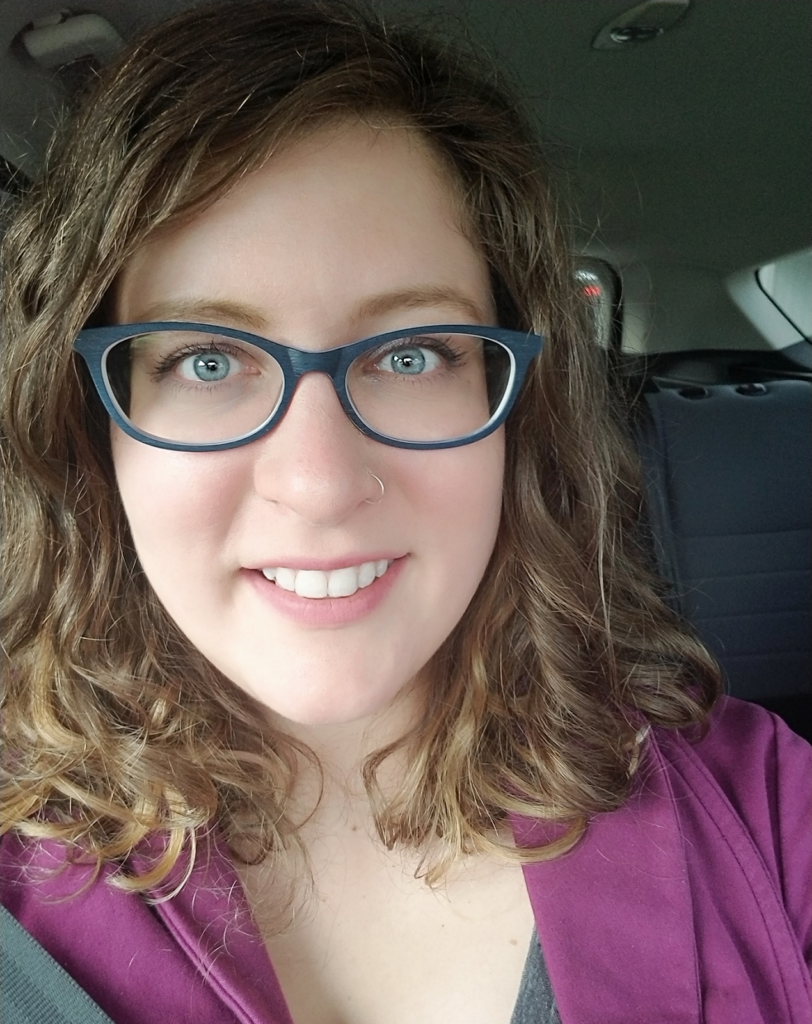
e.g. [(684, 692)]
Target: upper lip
[(325, 564)]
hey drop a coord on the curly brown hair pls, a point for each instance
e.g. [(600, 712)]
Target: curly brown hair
[(115, 726)]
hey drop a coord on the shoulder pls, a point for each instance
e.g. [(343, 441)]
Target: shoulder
[(700, 880), (69, 906), (757, 762), (744, 791), (111, 942)]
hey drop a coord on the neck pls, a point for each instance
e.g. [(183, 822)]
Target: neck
[(334, 789)]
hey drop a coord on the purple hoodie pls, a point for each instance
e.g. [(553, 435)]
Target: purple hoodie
[(690, 905)]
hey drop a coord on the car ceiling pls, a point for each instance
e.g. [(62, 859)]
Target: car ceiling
[(693, 149)]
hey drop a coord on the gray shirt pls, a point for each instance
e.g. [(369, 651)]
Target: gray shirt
[(535, 1003)]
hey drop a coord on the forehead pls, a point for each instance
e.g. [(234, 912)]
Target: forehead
[(325, 225)]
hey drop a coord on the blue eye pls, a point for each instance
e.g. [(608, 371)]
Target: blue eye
[(412, 361), (206, 366)]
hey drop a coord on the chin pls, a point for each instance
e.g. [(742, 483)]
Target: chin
[(333, 705)]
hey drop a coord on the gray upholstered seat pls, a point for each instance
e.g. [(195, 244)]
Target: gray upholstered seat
[(730, 493)]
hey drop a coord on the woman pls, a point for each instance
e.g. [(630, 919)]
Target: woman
[(335, 676)]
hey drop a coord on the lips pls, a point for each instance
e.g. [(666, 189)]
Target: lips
[(323, 583)]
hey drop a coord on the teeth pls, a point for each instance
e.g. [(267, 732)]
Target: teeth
[(311, 583), (341, 582), (366, 574), (315, 583), (286, 579)]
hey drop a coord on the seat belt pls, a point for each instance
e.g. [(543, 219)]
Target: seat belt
[(34, 988)]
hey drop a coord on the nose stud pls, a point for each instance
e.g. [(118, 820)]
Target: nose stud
[(383, 489)]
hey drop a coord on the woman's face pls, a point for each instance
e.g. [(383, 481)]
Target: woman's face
[(348, 234)]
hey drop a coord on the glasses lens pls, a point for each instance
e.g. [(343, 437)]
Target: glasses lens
[(193, 387), (431, 387)]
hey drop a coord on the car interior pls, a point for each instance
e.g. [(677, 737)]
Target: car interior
[(679, 133)]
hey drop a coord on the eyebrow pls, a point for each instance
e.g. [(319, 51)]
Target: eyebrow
[(203, 310), (421, 297), (253, 319)]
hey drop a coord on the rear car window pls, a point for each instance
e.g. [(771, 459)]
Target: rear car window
[(787, 283)]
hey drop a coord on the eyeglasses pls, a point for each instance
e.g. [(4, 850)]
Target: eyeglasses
[(196, 387)]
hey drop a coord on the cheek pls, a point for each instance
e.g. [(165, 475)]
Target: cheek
[(174, 501), (461, 490)]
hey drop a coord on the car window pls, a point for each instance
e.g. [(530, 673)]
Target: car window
[(787, 282)]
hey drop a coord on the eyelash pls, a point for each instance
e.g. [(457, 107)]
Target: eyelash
[(168, 363), (452, 356)]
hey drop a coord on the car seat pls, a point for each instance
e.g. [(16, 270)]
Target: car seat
[(729, 490)]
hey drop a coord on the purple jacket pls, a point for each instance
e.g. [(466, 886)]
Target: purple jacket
[(690, 904)]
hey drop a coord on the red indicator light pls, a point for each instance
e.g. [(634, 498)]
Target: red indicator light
[(592, 291)]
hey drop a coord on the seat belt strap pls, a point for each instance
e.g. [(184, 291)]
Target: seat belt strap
[(35, 988)]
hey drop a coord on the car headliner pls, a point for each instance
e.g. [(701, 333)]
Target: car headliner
[(692, 151)]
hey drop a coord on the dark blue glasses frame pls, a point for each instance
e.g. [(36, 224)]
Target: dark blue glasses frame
[(94, 343)]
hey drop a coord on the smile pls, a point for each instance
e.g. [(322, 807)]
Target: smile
[(318, 583)]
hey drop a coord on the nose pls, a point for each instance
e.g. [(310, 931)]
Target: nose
[(316, 462)]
